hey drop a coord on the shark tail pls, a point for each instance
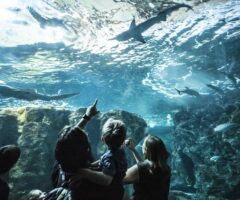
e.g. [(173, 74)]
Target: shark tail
[(176, 7), (63, 96), (179, 92)]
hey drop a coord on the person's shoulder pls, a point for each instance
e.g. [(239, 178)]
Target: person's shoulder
[(147, 163)]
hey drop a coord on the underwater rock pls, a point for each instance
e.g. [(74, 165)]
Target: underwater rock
[(8, 129), (229, 109), (234, 193), (216, 156), (181, 116), (37, 142), (236, 117), (33, 169), (54, 117)]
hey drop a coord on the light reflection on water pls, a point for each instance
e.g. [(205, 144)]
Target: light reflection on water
[(80, 55)]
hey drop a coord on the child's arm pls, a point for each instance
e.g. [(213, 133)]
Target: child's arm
[(129, 143)]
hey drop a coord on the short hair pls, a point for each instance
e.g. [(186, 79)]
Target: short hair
[(114, 133)]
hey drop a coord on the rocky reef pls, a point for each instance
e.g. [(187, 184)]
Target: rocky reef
[(35, 131), (206, 156)]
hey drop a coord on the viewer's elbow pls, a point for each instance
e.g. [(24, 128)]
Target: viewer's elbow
[(126, 180), (107, 180)]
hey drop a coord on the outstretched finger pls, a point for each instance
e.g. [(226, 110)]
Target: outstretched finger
[(95, 103)]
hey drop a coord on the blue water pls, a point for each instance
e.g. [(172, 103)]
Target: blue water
[(70, 49)]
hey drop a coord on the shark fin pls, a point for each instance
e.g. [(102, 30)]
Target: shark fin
[(135, 32), (179, 92), (133, 24)]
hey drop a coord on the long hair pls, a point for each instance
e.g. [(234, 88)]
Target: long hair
[(73, 150), (156, 152)]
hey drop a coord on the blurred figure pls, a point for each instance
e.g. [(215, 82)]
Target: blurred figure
[(9, 155), (36, 195), (151, 176)]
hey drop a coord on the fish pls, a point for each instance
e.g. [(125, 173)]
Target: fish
[(215, 88), (31, 95), (221, 128), (189, 166), (215, 158), (135, 31), (188, 91), (45, 21)]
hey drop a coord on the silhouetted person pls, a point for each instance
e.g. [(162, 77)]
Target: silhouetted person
[(150, 177), (9, 155)]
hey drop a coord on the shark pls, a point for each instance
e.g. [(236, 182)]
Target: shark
[(30, 95), (215, 88), (135, 31), (43, 22), (189, 91)]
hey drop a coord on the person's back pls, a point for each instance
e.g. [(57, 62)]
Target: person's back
[(152, 185), (151, 177), (119, 163)]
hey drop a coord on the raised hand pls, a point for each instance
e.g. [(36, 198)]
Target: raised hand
[(92, 110), (130, 144)]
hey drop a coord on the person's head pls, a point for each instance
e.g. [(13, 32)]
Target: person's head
[(73, 150), (10, 155), (155, 150), (36, 195), (114, 133)]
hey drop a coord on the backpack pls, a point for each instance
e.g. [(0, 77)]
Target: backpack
[(73, 150)]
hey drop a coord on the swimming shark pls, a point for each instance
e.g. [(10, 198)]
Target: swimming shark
[(45, 21), (30, 95), (189, 91), (135, 31), (215, 88)]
